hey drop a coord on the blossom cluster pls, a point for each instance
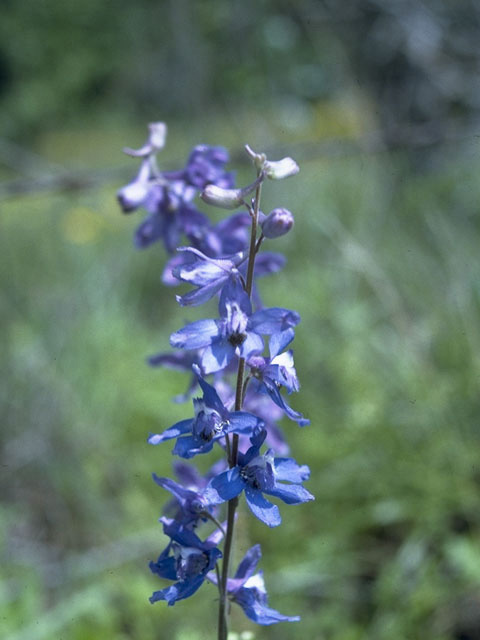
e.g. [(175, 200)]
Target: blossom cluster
[(244, 349)]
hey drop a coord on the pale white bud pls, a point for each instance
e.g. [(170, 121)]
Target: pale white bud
[(224, 198), (277, 223), (280, 169)]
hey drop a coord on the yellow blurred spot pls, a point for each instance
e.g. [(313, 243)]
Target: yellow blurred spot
[(348, 118), (82, 225)]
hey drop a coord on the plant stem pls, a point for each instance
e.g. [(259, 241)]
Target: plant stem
[(253, 240), (233, 453)]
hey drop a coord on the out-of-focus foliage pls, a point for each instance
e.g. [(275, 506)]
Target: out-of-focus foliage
[(66, 60), (59, 58), (416, 59)]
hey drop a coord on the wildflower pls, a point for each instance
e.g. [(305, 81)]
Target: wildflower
[(211, 422), (258, 474), (171, 215), (247, 589), (238, 331), (206, 166), (262, 406), (190, 504), (208, 274), (186, 559), (272, 373)]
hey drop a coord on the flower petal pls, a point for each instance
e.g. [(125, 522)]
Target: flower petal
[(178, 591), (288, 469), (189, 446), (217, 356), (175, 489), (224, 487), (233, 293), (201, 295), (277, 397), (195, 335), (279, 341), (273, 320), (290, 493), (165, 567), (184, 426), (262, 508), (243, 422), (259, 612), (251, 345), (150, 230), (247, 566), (268, 262)]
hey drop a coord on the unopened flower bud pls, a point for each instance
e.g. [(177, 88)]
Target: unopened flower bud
[(280, 169), (277, 223), (225, 198)]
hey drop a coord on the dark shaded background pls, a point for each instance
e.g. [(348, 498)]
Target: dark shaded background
[(378, 102)]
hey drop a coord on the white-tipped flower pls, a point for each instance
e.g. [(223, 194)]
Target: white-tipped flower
[(280, 169), (224, 198), (134, 194), (158, 134), (277, 223), (155, 142)]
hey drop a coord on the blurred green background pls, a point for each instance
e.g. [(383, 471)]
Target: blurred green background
[(379, 104)]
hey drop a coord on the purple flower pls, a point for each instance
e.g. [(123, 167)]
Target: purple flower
[(170, 217), (277, 371), (186, 559), (212, 421), (206, 166), (237, 332), (189, 505), (231, 234), (263, 407), (247, 589), (167, 197), (227, 238), (258, 474), (209, 275)]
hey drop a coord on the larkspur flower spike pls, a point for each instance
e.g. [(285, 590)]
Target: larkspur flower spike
[(237, 409)]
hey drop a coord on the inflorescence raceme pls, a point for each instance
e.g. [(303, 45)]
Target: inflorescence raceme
[(237, 412)]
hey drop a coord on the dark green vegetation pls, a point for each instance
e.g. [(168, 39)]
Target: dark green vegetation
[(383, 267)]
